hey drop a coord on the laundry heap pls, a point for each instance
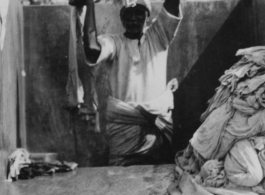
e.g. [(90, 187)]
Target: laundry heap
[(226, 153)]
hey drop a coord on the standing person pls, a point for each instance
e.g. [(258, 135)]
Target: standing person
[(139, 108)]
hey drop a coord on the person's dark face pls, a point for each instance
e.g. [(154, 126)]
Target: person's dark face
[(134, 19)]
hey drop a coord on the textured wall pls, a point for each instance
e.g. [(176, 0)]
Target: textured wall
[(208, 38), (49, 126), (11, 64)]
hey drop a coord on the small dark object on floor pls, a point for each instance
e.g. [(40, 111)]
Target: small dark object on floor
[(42, 169)]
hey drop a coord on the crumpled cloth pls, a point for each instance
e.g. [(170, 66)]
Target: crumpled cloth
[(232, 191), (189, 160), (207, 138), (242, 165), (186, 185), (233, 120), (45, 169), (237, 109), (138, 130), (225, 126), (252, 64), (21, 167), (74, 88), (212, 173), (17, 160), (259, 145), (262, 160), (255, 54)]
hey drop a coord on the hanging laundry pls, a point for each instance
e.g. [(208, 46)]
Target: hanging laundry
[(80, 89)]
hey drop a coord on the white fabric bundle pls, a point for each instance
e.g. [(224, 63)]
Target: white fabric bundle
[(242, 165), (17, 160)]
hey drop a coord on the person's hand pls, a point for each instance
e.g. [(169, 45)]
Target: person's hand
[(173, 85)]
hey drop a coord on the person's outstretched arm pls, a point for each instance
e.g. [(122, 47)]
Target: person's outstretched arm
[(92, 47), (172, 7)]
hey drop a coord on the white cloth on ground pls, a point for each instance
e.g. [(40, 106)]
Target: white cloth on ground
[(18, 159)]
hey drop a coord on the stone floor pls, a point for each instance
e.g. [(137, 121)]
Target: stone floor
[(133, 180)]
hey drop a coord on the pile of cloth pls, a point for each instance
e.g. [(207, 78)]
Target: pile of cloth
[(226, 153), (20, 166), (140, 133)]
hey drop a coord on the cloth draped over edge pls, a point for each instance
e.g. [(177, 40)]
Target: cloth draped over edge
[(80, 88), (74, 87)]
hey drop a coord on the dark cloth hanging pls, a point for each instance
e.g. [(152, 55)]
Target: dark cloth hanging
[(80, 87)]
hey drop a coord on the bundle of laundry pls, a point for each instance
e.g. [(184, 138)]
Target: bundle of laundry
[(20, 166), (232, 125), (140, 133), (236, 111)]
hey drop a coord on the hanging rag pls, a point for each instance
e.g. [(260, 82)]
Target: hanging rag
[(80, 87)]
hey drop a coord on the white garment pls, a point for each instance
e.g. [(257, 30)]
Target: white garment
[(137, 69), (17, 160)]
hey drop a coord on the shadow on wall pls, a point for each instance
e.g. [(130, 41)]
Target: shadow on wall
[(238, 31)]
